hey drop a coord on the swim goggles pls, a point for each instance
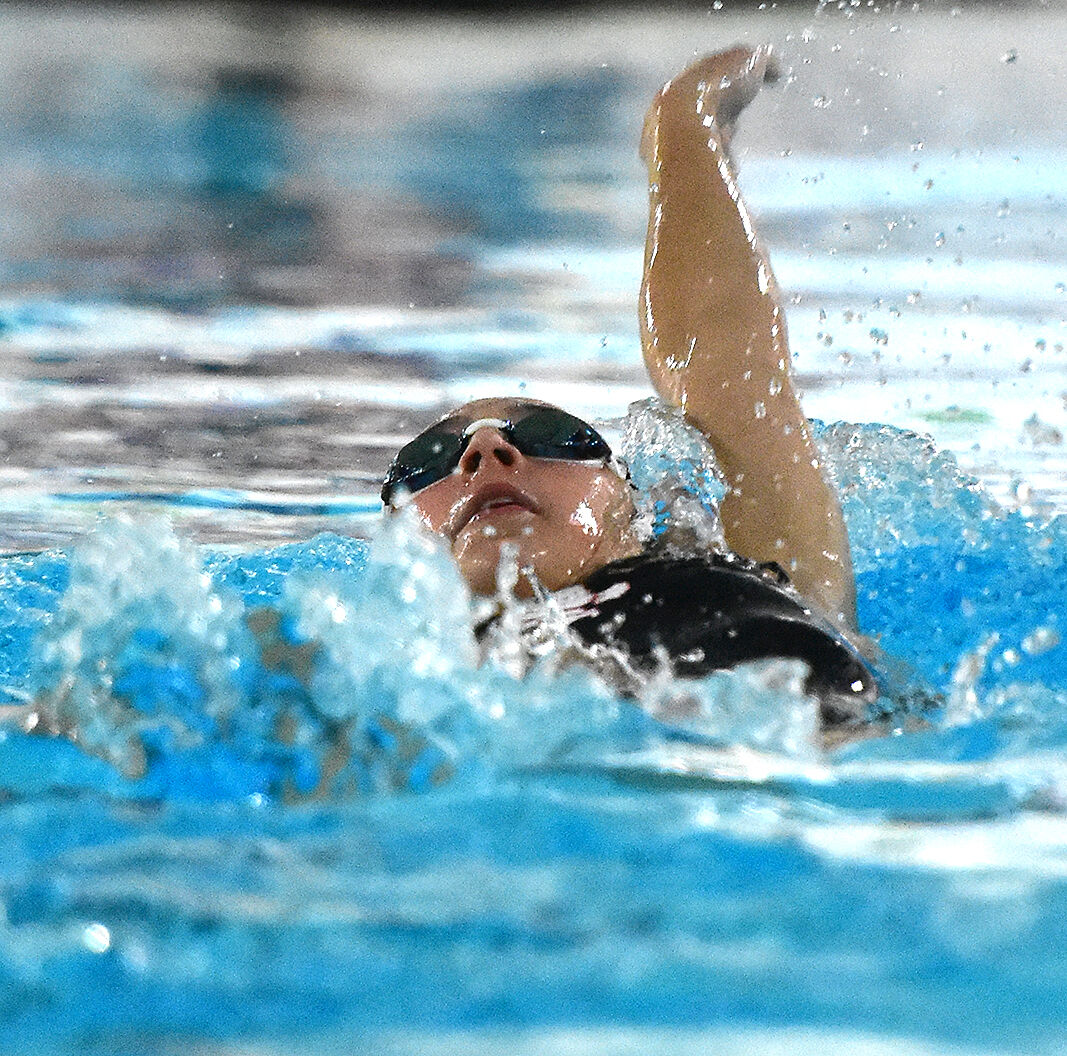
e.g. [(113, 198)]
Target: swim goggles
[(537, 432)]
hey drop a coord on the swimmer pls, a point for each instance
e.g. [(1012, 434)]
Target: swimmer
[(714, 342)]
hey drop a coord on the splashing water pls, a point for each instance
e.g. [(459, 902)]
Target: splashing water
[(362, 676), (678, 481)]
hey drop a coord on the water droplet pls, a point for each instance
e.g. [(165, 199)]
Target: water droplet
[(879, 337), (928, 185), (1003, 209), (774, 387), (820, 102), (760, 409), (939, 239), (1009, 56), (96, 938), (914, 297)]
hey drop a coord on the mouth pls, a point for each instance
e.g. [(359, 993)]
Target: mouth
[(496, 502)]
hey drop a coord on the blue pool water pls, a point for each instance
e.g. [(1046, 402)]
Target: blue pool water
[(257, 792)]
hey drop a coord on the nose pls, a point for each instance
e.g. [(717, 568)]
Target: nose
[(488, 445)]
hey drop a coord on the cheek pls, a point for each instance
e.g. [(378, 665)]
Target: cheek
[(592, 507), (435, 504)]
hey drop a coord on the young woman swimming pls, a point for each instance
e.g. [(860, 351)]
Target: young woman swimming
[(714, 341)]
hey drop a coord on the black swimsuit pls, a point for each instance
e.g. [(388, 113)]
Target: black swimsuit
[(712, 612)]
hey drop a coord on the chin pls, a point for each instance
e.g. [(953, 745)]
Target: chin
[(478, 565), (481, 578), (479, 568)]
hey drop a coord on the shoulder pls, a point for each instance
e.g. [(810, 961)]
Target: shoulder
[(688, 576), (713, 611)]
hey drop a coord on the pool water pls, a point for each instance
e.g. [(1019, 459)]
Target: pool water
[(257, 790)]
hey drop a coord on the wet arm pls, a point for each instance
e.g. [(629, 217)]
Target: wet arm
[(714, 335)]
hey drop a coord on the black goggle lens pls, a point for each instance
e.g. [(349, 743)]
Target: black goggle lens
[(543, 433), (548, 433)]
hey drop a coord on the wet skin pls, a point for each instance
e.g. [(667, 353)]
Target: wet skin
[(714, 336), (566, 519)]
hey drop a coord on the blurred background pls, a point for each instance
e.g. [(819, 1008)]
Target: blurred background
[(245, 250)]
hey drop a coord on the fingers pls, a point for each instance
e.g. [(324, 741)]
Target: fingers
[(723, 68), (719, 86)]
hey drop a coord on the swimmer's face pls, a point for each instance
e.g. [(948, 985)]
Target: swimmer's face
[(567, 518)]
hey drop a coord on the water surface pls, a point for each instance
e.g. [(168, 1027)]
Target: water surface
[(242, 256)]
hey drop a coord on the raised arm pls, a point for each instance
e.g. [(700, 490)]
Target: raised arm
[(714, 334)]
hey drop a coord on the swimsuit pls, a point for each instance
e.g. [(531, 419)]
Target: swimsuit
[(707, 613)]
